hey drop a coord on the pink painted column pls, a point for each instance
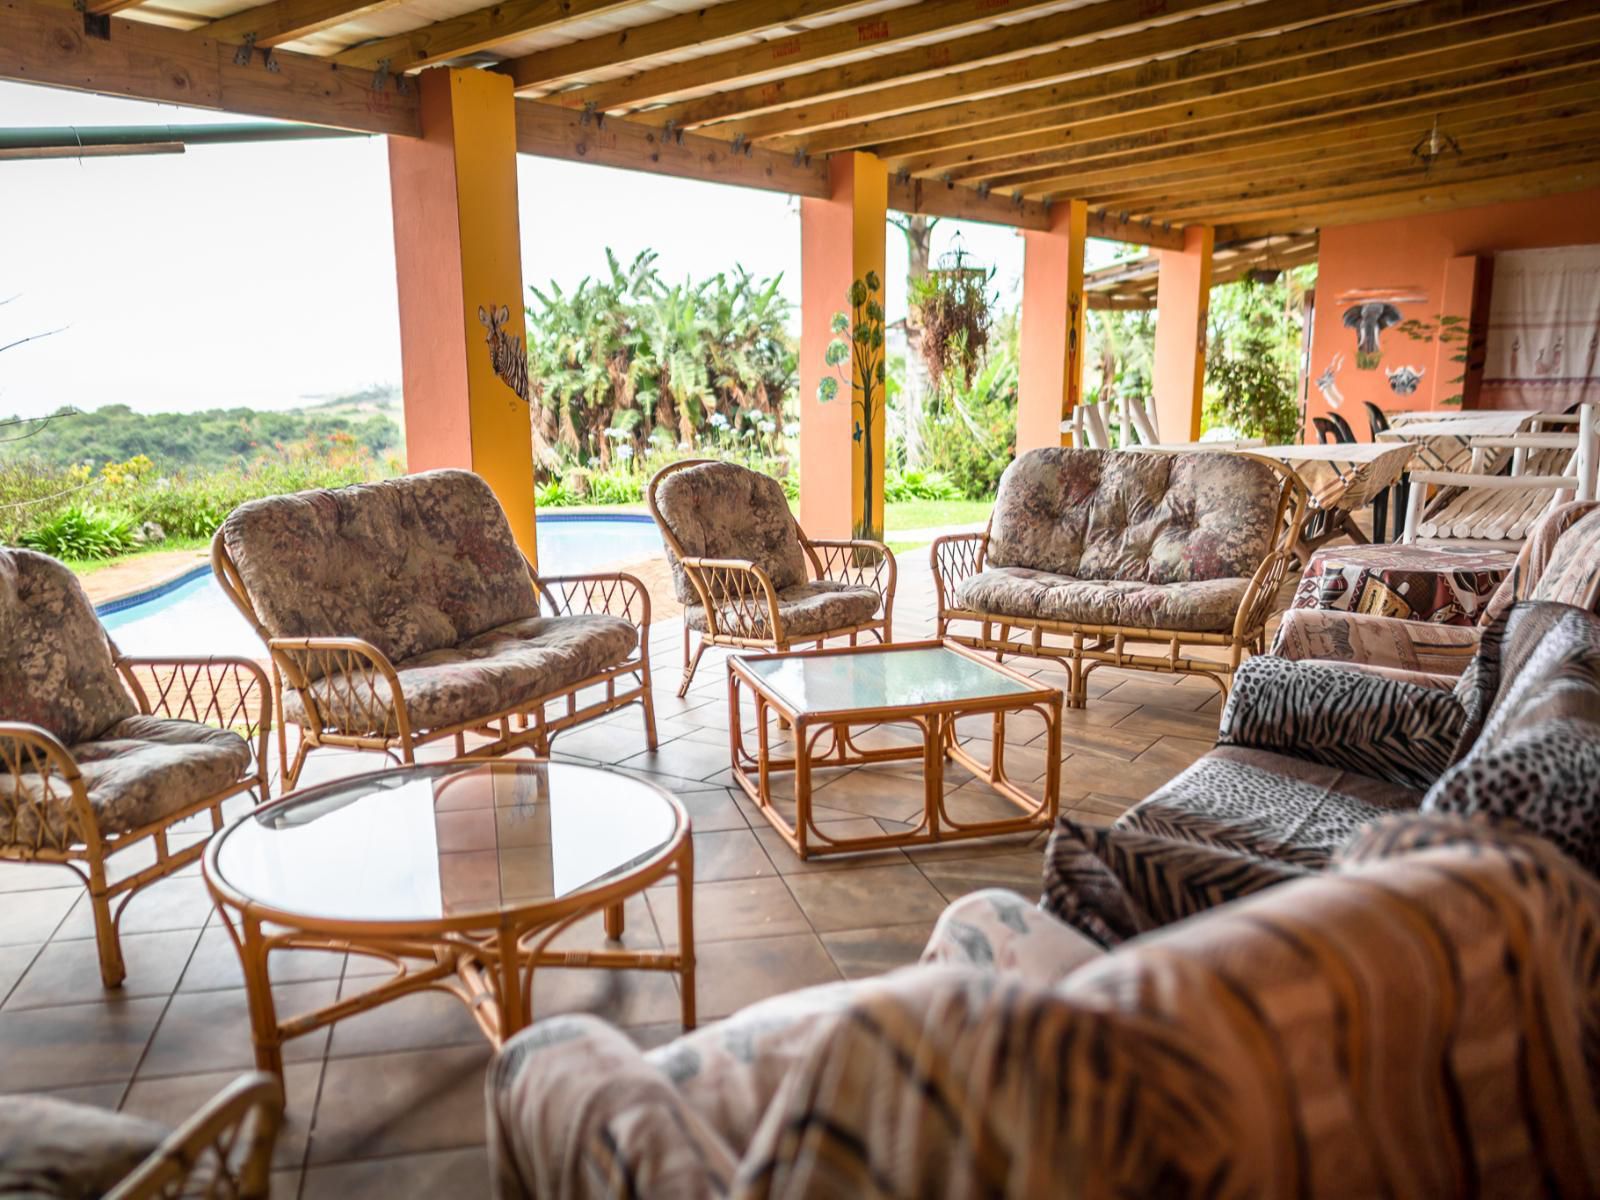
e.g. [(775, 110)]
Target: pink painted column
[(1183, 298), (1051, 367)]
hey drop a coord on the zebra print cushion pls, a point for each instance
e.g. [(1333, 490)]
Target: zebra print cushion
[(1385, 728)]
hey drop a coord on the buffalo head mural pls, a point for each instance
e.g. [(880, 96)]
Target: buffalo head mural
[(1403, 381), (1369, 320)]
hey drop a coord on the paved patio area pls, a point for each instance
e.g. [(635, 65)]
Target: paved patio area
[(391, 1102)]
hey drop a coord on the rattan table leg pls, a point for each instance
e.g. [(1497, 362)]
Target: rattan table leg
[(264, 1030)]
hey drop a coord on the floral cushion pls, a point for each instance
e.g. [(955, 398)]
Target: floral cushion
[(138, 771), (497, 671), (55, 663), (1572, 573), (1147, 517), (55, 1150), (413, 564), (722, 510), (807, 611), (1203, 606)]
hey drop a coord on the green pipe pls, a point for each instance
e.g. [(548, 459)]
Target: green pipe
[(53, 137)]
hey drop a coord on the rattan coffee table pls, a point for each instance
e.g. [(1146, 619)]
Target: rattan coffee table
[(459, 875), (824, 694)]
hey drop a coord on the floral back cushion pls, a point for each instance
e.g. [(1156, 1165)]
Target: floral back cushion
[(1127, 515), (411, 565), (1572, 574), (722, 510), (55, 663)]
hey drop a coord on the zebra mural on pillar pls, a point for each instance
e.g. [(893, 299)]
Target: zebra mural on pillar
[(506, 353)]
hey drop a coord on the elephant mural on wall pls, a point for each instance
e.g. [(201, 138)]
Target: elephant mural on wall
[(1369, 319)]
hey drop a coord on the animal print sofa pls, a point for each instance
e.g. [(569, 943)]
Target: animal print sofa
[(1412, 1024), (1107, 547), (1309, 753)]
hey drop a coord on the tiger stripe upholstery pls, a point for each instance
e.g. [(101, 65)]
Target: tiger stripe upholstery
[(1418, 1022)]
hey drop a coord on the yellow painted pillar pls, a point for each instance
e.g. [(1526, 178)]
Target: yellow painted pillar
[(1183, 301), (1050, 373), (842, 439), (459, 263)]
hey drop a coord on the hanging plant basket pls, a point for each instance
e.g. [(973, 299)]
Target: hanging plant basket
[(951, 304)]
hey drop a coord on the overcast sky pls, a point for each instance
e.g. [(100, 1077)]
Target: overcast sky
[(263, 275)]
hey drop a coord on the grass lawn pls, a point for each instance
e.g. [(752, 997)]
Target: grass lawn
[(934, 514), (91, 565)]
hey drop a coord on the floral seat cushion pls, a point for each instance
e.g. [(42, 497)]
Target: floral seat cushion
[(723, 510), (140, 770), (499, 670), (413, 564), (55, 663), (807, 611), (1201, 606), (55, 1150)]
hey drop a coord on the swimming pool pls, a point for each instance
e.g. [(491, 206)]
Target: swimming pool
[(190, 615)]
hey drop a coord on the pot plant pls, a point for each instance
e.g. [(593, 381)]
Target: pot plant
[(857, 347), (951, 304)]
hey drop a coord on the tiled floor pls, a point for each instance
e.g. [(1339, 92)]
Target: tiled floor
[(391, 1103)]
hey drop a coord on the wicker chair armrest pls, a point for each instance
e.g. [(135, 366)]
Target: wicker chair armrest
[(859, 562), (955, 556), (27, 749), (1259, 599), (230, 692), (355, 702), (613, 594), (225, 1149), (738, 597)]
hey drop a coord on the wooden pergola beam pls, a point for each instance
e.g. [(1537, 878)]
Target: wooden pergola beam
[(734, 19), (470, 32), (44, 44), (1280, 103), (837, 40), (951, 66), (282, 21)]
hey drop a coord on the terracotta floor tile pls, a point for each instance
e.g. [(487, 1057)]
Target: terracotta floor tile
[(624, 998), (1170, 722), (866, 897), (96, 1095), (1009, 843), (859, 953), (438, 1176), (1105, 743), (166, 904), (589, 933), (412, 1022), (68, 972), (1022, 873), (730, 854), (788, 862), (1163, 694), (32, 877), (733, 975), (1178, 752), (174, 1100), (14, 962), (97, 1042), (740, 908), (713, 810), (31, 917), (1135, 780), (682, 757), (214, 965), (211, 1030), (1099, 810), (1099, 715), (871, 793), (385, 1104)]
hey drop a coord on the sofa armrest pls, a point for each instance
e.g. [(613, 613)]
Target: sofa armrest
[(1368, 640), (1389, 729), (229, 1139), (352, 668), (29, 750), (859, 562), (1261, 596), (231, 693), (613, 594), (955, 556), (738, 597)]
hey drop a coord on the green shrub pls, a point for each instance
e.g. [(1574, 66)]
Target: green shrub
[(554, 494), (899, 486), (616, 487), (84, 532)]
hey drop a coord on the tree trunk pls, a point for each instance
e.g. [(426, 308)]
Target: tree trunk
[(918, 230)]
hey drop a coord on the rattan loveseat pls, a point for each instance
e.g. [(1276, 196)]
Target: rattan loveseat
[(747, 574), (402, 613), (102, 754), (1105, 548)]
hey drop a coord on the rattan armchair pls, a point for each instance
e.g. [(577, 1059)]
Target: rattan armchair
[(101, 753), (748, 576), (400, 614)]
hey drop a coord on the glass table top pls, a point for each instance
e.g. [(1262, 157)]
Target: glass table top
[(454, 840), (913, 677)]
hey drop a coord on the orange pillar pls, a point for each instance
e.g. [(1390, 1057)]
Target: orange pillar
[(459, 262), (1183, 299), (1051, 368), (841, 446)]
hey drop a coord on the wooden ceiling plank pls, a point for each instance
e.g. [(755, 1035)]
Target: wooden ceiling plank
[(814, 46), (286, 20), (1008, 53), (1435, 93), (739, 17), (471, 32), (1277, 102), (46, 44), (1496, 99), (1342, 55)]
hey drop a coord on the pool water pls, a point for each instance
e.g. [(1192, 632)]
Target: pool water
[(196, 618)]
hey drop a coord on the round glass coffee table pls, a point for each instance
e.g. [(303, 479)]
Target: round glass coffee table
[(459, 875)]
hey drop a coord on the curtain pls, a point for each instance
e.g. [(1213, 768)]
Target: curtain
[(1544, 329)]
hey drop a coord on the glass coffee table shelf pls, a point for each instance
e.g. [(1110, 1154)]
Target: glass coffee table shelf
[(824, 694), (460, 876)]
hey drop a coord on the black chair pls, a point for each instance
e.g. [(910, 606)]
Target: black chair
[(1346, 434), (1377, 419), (1327, 431)]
